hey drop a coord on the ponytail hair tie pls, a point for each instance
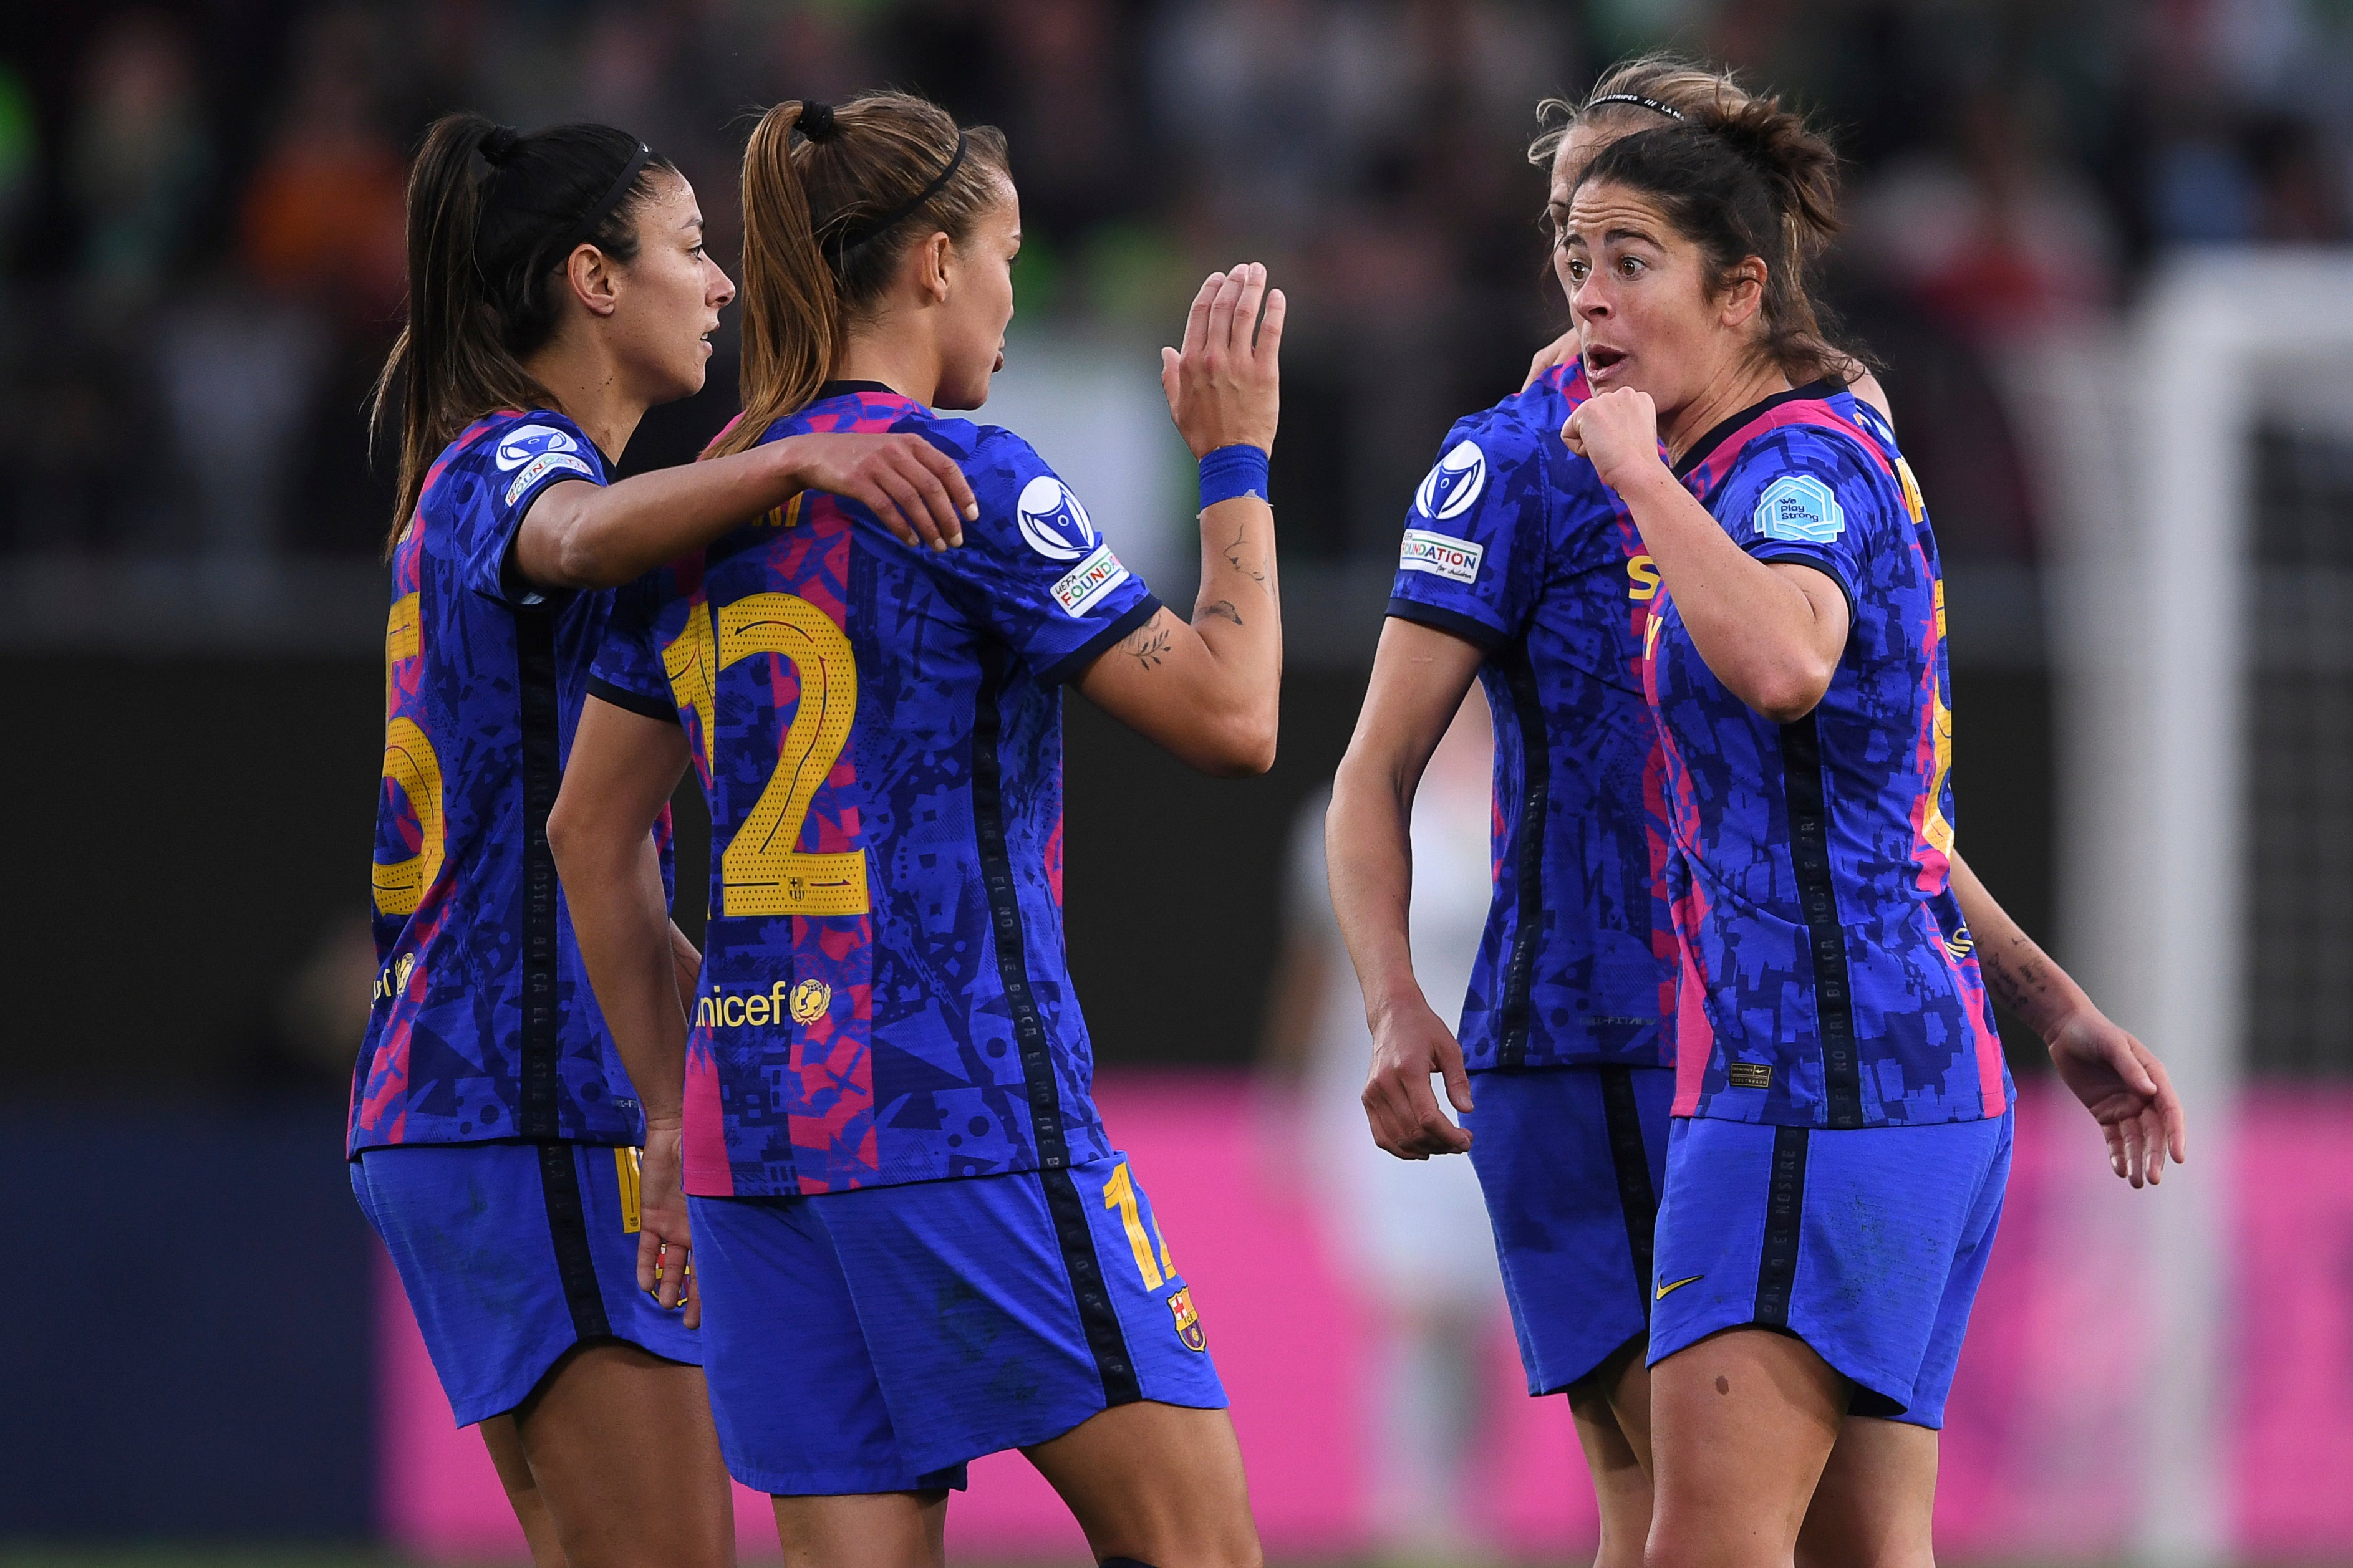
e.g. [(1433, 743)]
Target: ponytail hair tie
[(816, 121), (498, 144)]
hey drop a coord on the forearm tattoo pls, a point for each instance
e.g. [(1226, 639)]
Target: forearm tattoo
[(1224, 610), (1233, 554), (2020, 977)]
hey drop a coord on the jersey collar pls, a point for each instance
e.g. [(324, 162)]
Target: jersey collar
[(1715, 438)]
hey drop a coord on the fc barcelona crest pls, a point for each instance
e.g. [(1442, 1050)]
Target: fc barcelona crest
[(1188, 1321)]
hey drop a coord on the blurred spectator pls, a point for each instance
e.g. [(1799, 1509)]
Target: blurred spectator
[(2015, 168), (1995, 240), (1412, 1235), (322, 215), (139, 157), (19, 151)]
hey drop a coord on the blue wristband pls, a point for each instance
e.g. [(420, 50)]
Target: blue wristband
[(1229, 471)]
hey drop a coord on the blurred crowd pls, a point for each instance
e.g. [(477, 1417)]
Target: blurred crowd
[(200, 205)]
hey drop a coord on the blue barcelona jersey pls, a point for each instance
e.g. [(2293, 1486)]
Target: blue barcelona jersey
[(1514, 545), (885, 996), (483, 1027), (1827, 977)]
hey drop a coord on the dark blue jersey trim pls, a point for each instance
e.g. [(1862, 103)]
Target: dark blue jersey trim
[(1622, 1114), (635, 701), (542, 773), (1527, 886), (1074, 665), (1454, 623), (567, 1226), (1785, 1213), (1810, 857), (1821, 564), (1097, 1317), (1815, 389)]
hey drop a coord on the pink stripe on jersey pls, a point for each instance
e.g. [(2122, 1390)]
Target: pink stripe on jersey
[(1969, 983), (708, 1172), (1809, 411)]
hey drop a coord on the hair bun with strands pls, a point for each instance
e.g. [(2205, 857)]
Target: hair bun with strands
[(498, 144), (816, 121)]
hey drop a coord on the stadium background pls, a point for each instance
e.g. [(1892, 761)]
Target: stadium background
[(200, 270)]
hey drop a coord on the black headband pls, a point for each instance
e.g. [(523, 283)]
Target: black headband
[(854, 235), (587, 228), (1636, 98)]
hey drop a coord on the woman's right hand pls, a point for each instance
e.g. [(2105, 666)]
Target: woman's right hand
[(1225, 386), (665, 1241), (913, 487), (1407, 1051)]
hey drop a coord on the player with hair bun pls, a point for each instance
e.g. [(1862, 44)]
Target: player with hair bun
[(1843, 1112), (1522, 570), (558, 287), (914, 1240)]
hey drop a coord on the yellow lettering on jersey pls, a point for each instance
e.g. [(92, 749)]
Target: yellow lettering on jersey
[(1642, 578), (408, 761), (1118, 1192), (762, 870), (759, 1009), (1913, 501), (630, 1177), (1651, 635), (692, 661), (1939, 590), (1935, 828), (403, 638)]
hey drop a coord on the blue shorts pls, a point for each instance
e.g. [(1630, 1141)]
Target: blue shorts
[(1866, 1242), (511, 1254), (873, 1341), (1569, 1159)]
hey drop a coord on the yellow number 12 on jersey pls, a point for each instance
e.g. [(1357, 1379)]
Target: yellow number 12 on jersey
[(761, 871)]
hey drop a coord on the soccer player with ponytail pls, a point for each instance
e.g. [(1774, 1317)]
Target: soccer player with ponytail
[(1522, 570), (558, 287), (1842, 1111), (915, 1241)]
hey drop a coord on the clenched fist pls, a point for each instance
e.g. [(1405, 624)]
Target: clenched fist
[(1618, 433)]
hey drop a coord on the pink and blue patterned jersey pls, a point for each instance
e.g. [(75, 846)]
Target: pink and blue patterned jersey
[(1828, 978), (1514, 545), (483, 1027), (885, 994)]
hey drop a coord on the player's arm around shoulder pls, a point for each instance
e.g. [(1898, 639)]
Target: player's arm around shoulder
[(1210, 690), (602, 535)]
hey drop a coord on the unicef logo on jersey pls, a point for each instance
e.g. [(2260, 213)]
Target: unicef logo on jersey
[(1453, 484), (1053, 522), (524, 442)]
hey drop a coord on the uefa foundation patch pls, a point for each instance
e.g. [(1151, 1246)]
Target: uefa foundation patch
[(1442, 555)]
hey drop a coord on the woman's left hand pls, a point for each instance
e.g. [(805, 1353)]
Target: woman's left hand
[(2124, 1087), (1618, 432), (1560, 351)]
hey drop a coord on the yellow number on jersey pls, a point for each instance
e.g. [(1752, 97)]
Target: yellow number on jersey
[(629, 1174), (1118, 1192), (408, 761), (761, 871)]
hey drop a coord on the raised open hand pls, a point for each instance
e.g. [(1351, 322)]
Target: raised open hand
[(1225, 386)]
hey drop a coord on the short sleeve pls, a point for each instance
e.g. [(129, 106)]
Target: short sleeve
[(628, 671), (1813, 497), (1039, 576), (517, 463), (1473, 559)]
